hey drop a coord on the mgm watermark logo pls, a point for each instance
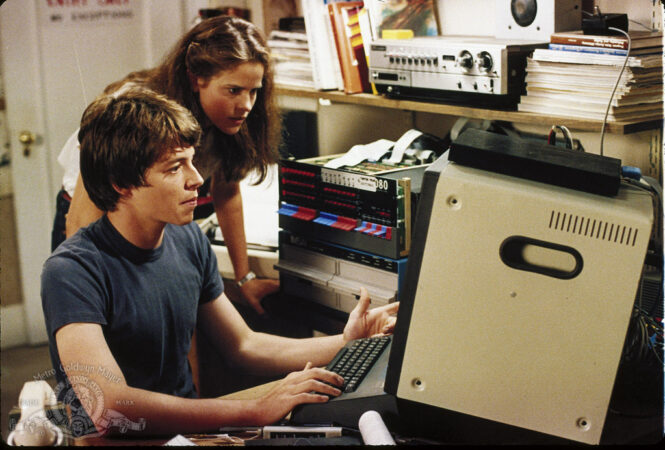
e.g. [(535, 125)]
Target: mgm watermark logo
[(87, 406), (86, 401)]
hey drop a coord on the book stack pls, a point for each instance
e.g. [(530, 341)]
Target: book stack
[(345, 23), (291, 59), (337, 42), (576, 75)]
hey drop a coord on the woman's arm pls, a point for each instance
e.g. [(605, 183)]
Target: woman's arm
[(82, 211), (229, 209)]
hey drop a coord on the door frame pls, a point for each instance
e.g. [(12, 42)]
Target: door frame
[(20, 19)]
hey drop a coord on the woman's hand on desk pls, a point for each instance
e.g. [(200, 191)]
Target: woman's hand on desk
[(310, 385), (365, 322), (255, 290)]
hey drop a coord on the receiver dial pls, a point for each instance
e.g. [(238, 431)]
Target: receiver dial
[(484, 61), (465, 60)]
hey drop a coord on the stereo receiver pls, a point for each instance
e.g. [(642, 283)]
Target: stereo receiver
[(468, 69)]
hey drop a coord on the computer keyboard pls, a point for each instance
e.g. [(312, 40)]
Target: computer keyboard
[(356, 358), (363, 363)]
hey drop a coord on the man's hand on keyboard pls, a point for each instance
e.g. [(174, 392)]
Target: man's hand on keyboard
[(365, 322), (310, 385)]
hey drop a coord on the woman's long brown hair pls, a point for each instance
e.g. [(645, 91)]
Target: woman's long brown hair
[(214, 45)]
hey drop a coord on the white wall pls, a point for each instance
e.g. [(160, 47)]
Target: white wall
[(477, 17)]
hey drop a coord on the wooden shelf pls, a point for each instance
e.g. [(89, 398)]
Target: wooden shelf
[(382, 101)]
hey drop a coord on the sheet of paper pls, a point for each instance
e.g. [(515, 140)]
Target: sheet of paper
[(179, 441), (359, 153)]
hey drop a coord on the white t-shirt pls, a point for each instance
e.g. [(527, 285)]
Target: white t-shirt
[(69, 160)]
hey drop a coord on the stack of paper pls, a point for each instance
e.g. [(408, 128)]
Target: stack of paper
[(578, 83), (291, 58)]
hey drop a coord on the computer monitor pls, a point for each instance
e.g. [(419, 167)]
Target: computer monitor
[(516, 304), (517, 300)]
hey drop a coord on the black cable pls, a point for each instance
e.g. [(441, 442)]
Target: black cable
[(658, 295), (641, 344)]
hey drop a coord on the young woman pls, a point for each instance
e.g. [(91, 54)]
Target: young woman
[(220, 70)]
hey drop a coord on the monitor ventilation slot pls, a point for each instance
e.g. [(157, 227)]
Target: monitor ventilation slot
[(593, 228)]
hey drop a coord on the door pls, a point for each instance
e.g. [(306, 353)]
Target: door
[(57, 55)]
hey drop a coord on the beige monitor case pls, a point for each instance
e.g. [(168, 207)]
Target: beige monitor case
[(535, 350)]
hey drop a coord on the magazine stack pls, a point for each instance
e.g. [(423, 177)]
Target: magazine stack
[(576, 75), (291, 59)]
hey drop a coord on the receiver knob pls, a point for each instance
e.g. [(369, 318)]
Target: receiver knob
[(484, 61), (465, 60)]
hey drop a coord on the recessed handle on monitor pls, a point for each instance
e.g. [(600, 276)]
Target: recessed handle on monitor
[(546, 258)]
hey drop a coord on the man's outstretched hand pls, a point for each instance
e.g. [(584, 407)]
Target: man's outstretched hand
[(365, 322)]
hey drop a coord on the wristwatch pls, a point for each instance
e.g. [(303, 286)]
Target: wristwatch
[(249, 277)]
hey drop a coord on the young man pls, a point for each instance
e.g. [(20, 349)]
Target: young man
[(123, 296)]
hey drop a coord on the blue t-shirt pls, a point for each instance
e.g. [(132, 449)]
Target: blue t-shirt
[(145, 300)]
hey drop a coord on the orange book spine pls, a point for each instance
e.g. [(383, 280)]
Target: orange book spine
[(348, 62)]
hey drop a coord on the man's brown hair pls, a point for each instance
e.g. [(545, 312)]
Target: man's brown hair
[(121, 136)]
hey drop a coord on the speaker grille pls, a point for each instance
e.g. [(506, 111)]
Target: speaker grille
[(593, 228)]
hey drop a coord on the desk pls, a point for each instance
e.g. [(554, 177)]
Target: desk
[(633, 426)]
